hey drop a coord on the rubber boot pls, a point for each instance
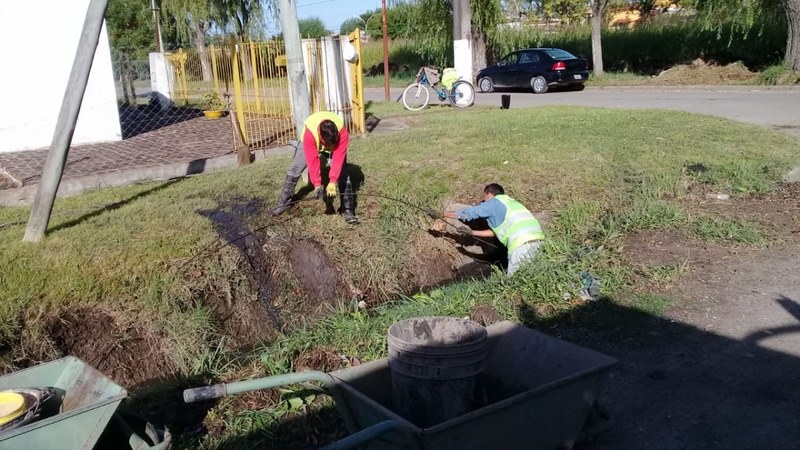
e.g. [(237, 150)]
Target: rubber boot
[(287, 191), (349, 204)]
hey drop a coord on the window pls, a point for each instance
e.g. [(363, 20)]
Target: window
[(508, 60), (529, 58), (556, 53)]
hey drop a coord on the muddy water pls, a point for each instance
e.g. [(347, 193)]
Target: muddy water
[(231, 223)]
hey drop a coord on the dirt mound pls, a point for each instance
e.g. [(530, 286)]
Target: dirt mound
[(700, 72), (324, 359), (315, 272), (129, 355)]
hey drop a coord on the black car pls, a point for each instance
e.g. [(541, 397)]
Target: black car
[(536, 68)]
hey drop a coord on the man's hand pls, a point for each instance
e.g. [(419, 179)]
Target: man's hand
[(465, 231), (318, 192), (332, 190), (434, 214)]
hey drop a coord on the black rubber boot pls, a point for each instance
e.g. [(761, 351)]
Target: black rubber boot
[(349, 204), (286, 195)]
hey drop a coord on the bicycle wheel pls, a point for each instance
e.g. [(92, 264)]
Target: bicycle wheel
[(462, 94), (416, 97)]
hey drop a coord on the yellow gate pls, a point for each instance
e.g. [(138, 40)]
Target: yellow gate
[(252, 78)]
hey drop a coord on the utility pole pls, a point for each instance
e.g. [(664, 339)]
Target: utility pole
[(462, 39), (298, 82), (67, 119), (157, 26), (385, 55)]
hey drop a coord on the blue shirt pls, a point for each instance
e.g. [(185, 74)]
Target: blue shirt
[(493, 210)]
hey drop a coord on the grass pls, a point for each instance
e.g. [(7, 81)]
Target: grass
[(716, 229), (604, 172)]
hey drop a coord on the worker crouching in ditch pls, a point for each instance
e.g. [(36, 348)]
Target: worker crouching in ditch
[(512, 223), (325, 141)]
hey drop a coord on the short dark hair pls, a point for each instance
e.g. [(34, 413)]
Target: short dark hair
[(494, 189), (328, 132)]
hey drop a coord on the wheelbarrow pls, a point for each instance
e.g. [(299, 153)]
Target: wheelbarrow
[(539, 393), (77, 407)]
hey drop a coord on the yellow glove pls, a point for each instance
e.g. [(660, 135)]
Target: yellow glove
[(332, 190)]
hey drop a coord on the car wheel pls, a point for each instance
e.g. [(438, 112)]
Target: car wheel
[(577, 87), (539, 85), (485, 84)]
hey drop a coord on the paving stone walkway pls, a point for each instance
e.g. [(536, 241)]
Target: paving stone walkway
[(195, 138)]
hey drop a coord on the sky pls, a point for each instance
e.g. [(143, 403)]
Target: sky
[(334, 12)]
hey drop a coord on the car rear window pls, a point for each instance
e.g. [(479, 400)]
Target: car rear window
[(559, 54)]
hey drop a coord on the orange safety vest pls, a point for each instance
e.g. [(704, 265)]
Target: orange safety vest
[(314, 120)]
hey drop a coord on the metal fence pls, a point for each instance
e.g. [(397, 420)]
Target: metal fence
[(249, 83)]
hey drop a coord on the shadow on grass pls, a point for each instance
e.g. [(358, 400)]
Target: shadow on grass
[(112, 206), (307, 431)]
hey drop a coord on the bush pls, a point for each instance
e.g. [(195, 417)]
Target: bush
[(658, 45)]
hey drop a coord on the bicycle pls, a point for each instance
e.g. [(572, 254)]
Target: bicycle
[(416, 96)]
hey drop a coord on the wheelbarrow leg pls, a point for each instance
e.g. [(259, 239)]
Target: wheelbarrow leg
[(374, 432)]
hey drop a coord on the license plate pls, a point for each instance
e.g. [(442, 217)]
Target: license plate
[(577, 77)]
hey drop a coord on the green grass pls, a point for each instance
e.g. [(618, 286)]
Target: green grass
[(778, 74), (396, 80), (604, 173), (717, 229)]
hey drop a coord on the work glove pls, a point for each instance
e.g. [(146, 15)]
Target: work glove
[(332, 190), (434, 214), (465, 231), (318, 192)]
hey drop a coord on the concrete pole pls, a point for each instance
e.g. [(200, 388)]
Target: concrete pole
[(462, 39), (67, 119), (298, 81), (157, 26)]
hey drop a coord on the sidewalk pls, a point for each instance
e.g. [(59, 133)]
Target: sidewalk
[(190, 147)]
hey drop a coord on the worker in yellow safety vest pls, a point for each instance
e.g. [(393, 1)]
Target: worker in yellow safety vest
[(324, 144), (512, 223)]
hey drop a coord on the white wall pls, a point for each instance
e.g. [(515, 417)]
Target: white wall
[(38, 41)]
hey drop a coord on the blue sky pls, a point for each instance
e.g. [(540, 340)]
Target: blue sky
[(334, 12)]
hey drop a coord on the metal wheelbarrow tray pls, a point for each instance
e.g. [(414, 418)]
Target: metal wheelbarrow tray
[(537, 394), (84, 404)]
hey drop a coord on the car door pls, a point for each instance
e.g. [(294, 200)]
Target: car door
[(503, 76), (527, 68)]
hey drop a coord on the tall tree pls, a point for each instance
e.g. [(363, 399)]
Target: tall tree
[(312, 27), (244, 18), (747, 14), (432, 28), (597, 7), (349, 25), (132, 37), (194, 18)]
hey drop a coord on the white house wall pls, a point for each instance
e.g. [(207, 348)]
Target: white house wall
[(39, 41)]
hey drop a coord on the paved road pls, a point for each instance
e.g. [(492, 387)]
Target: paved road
[(777, 108)]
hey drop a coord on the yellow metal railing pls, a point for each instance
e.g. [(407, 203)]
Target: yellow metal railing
[(253, 76)]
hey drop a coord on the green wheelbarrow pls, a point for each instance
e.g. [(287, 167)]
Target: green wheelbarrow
[(539, 393), (76, 409)]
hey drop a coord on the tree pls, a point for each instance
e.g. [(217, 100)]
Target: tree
[(131, 37), (244, 18), (747, 14), (597, 7), (194, 18), (312, 27), (432, 28), (350, 25)]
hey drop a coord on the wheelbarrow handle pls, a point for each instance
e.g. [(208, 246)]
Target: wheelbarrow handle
[(374, 432), (224, 389)]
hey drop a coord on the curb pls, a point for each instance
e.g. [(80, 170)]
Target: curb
[(24, 195)]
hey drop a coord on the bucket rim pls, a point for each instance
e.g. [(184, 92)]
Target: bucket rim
[(480, 338)]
